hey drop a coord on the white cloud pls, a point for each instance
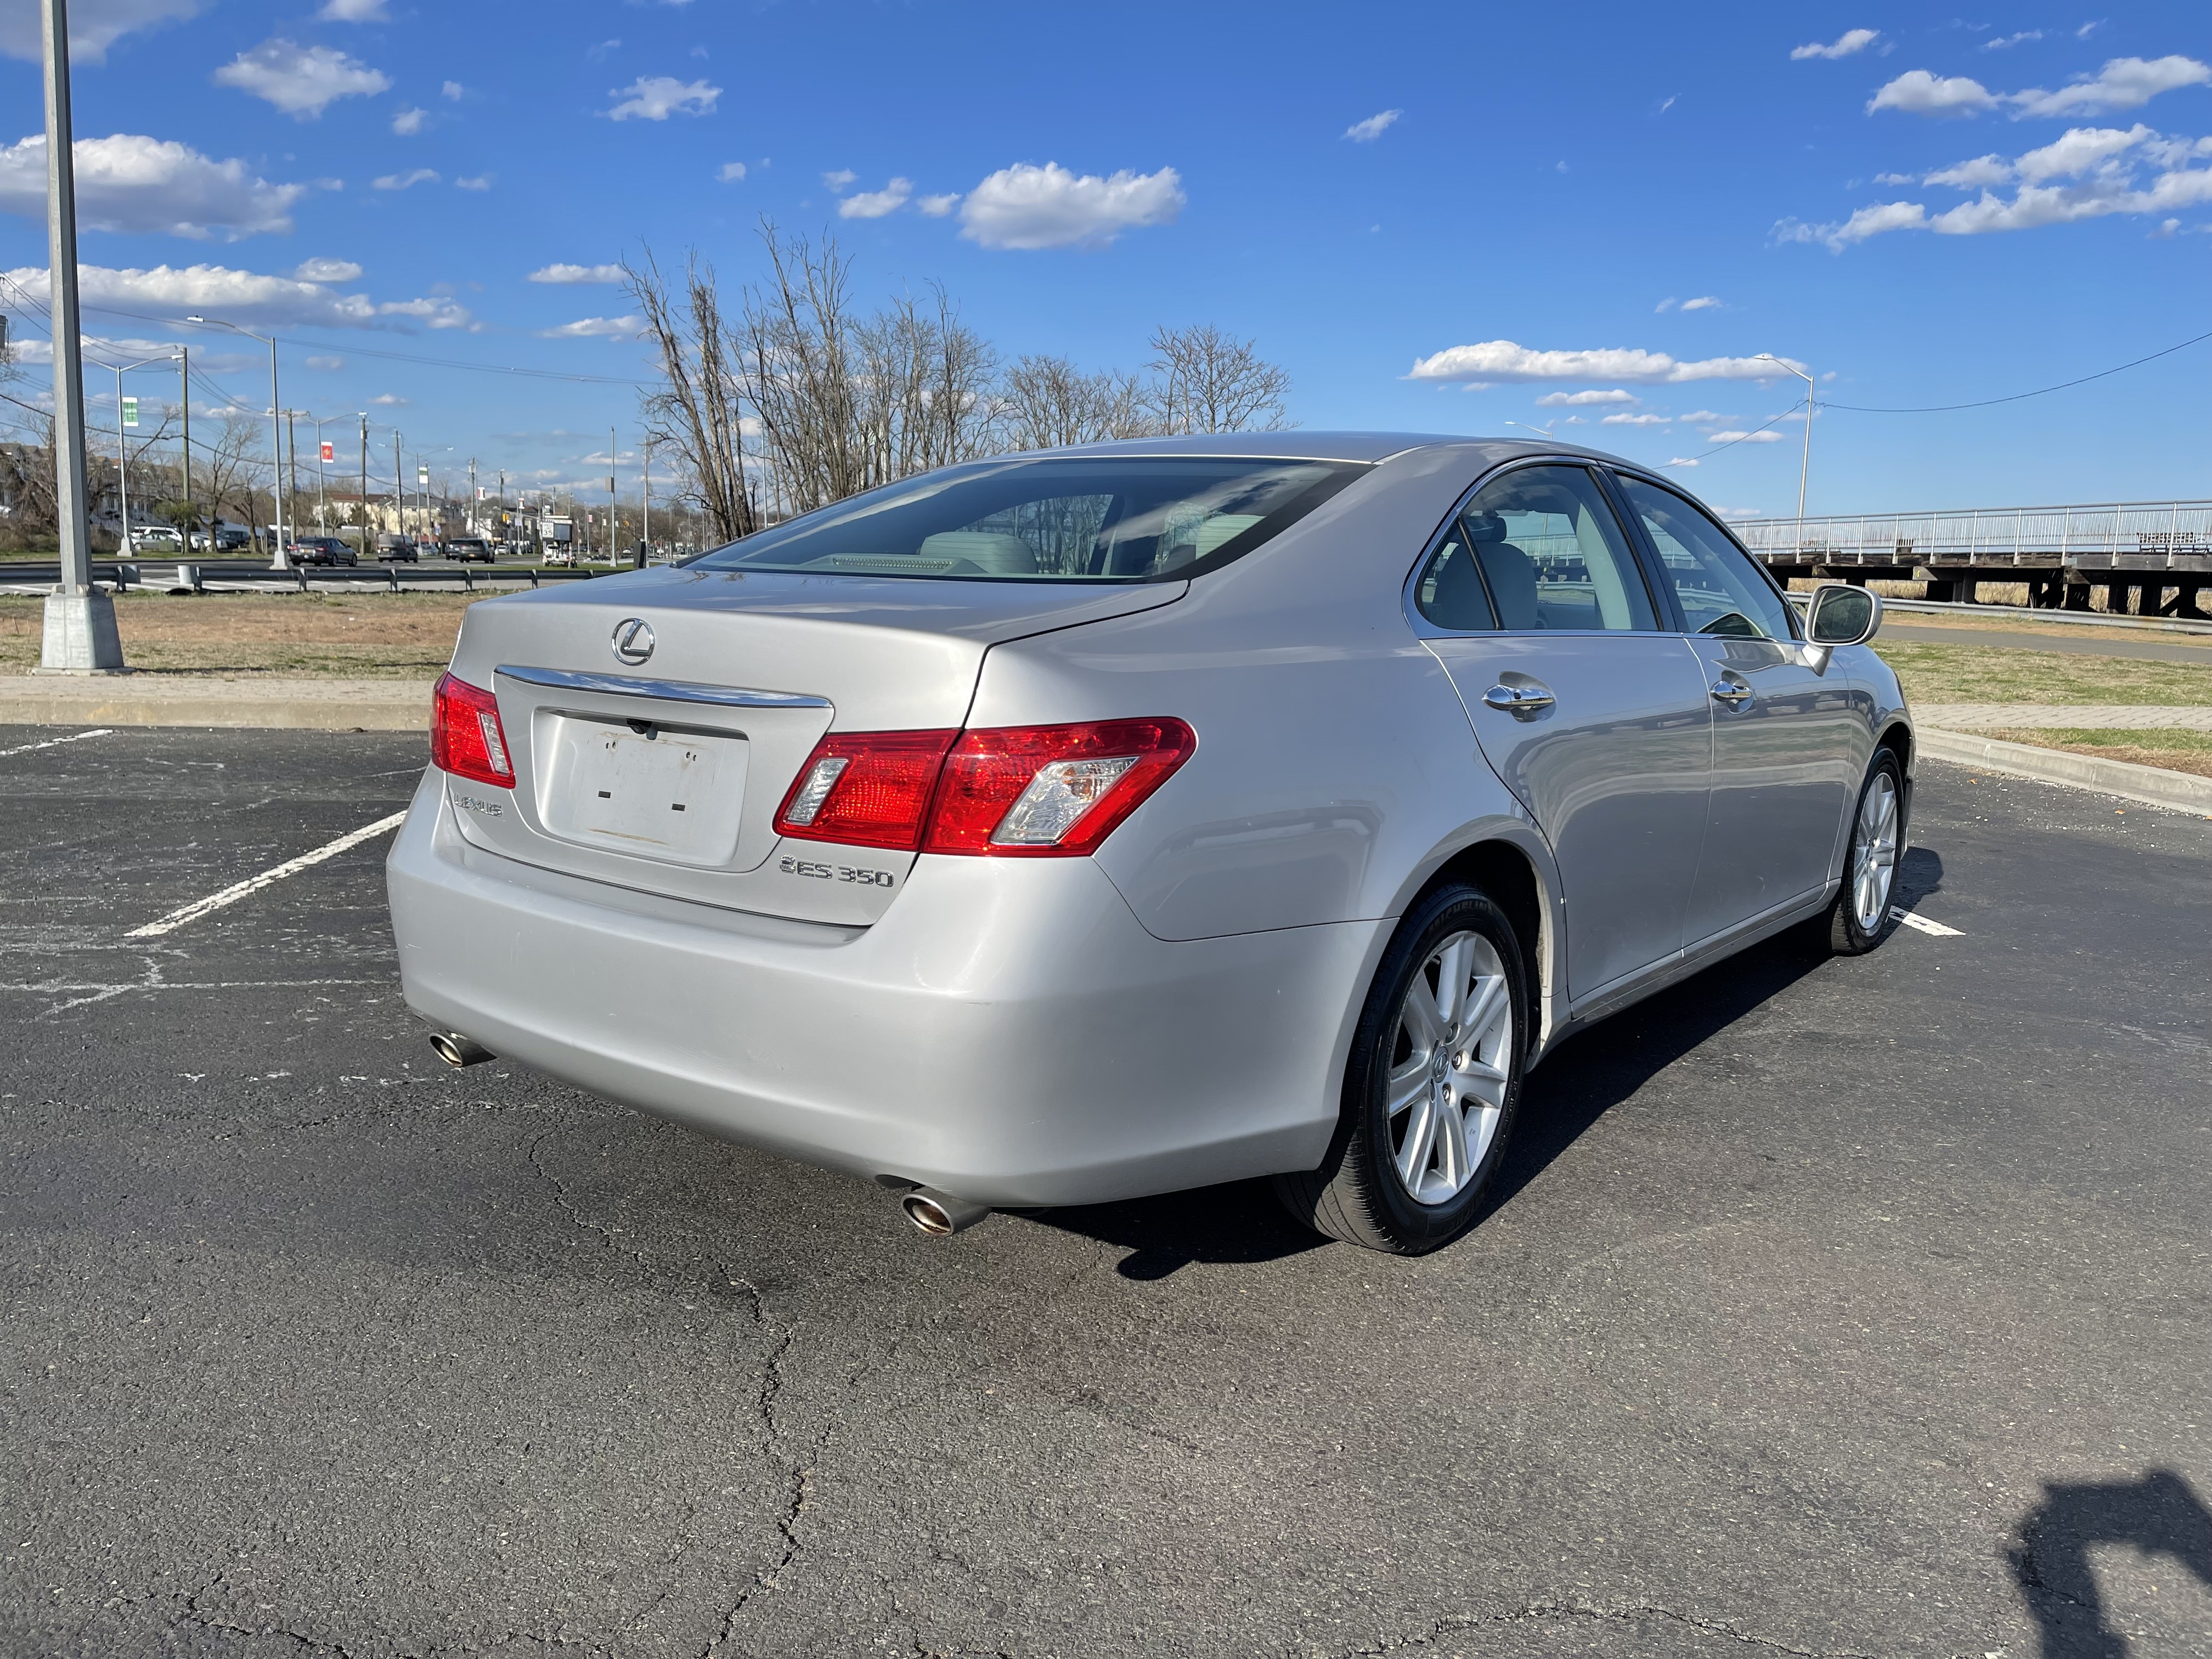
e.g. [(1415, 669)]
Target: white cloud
[(2123, 83), (301, 81), (239, 296), (1502, 361), (326, 270), (656, 97), (94, 25), (452, 90), (875, 204), (2090, 28), (405, 180), (2088, 172), (595, 328), (140, 185), (839, 179), (1703, 302), (567, 276), (328, 365), (1700, 417), (1582, 399), (1918, 93), (482, 181), (1636, 420), (409, 122), (353, 11), (730, 172), (1682, 460), (938, 206), (391, 400), (1665, 304), (1367, 131), (1850, 41), (1028, 207), (1976, 174), (1769, 437), (2004, 40)]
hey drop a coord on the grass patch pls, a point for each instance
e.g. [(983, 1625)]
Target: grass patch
[(2177, 752), (1977, 673), (354, 636)]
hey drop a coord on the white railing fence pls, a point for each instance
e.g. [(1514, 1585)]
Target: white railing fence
[(2180, 532)]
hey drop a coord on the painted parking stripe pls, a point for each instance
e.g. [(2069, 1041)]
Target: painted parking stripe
[(214, 902), (1924, 925), (56, 743)]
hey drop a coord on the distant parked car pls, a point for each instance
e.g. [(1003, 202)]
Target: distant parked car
[(228, 537), (469, 549), (322, 550), (394, 549), (154, 538)]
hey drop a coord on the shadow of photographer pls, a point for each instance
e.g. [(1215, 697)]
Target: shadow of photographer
[(2159, 1515)]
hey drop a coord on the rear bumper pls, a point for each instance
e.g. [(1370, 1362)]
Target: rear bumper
[(1008, 1032)]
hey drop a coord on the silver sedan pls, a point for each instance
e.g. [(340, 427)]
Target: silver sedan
[(1075, 826)]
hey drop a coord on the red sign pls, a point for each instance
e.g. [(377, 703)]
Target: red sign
[(330, 451)]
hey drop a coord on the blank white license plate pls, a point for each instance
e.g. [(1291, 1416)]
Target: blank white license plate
[(667, 795)]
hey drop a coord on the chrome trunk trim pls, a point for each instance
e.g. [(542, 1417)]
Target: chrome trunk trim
[(624, 685)]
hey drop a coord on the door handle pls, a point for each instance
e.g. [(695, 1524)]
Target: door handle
[(1518, 699), (1734, 693)]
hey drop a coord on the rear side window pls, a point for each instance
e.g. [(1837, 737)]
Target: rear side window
[(1110, 519), (1537, 550), (1720, 590)]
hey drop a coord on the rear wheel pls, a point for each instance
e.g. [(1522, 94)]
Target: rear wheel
[(1860, 920), (1432, 1086)]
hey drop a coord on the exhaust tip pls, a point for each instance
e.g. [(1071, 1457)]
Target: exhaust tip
[(939, 1214), (457, 1050)]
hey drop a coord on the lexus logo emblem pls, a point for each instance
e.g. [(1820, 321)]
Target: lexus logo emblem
[(633, 639)]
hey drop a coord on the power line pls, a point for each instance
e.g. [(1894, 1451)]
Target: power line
[(1945, 409), (1734, 442)]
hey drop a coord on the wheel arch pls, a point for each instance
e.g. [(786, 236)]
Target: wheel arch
[(1897, 737), (1520, 879)]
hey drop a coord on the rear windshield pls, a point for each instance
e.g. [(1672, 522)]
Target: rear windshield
[(1108, 519)]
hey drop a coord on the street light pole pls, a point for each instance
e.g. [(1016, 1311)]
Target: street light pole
[(1805, 466), (78, 636), (275, 439), (122, 453)]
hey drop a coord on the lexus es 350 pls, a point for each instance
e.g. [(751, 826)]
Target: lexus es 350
[(1073, 826)]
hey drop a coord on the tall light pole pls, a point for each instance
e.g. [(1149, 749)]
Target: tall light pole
[(276, 436), (78, 636), (123, 452), (1804, 467), (364, 481), (614, 556)]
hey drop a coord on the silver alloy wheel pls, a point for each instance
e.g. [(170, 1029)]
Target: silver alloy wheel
[(1874, 853), (1450, 1060)]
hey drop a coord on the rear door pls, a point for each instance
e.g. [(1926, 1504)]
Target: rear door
[(1788, 748), (1595, 718)]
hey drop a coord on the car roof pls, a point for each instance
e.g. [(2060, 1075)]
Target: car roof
[(1365, 447)]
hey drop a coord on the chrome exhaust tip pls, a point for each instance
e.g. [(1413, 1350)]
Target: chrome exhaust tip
[(457, 1050), (940, 1214)]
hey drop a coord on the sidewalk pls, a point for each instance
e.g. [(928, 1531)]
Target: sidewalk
[(2046, 716), (244, 700)]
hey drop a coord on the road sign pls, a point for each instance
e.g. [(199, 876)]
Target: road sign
[(422, 478), (130, 411), (330, 451)]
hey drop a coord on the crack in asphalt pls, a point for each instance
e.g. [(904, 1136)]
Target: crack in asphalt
[(1537, 1612)]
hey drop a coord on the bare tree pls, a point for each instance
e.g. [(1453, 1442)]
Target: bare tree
[(230, 475), (1208, 381), (696, 414), (1048, 403)]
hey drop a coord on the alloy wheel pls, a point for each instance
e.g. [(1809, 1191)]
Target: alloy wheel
[(1451, 1058), (1873, 852)]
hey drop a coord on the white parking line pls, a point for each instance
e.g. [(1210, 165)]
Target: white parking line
[(199, 908), (53, 743), (1924, 925)]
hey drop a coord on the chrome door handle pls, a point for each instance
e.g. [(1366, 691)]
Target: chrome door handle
[(1517, 699), (1730, 692)]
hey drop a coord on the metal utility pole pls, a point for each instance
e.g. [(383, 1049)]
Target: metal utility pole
[(645, 496), (1805, 467), (123, 452), (185, 385), (276, 440), (79, 633), (613, 555), (398, 489), (364, 481)]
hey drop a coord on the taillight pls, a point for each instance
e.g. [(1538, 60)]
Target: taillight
[(465, 736), (1013, 792), (866, 789)]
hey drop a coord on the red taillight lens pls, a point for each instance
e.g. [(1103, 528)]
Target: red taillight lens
[(1011, 792), (465, 736), (1050, 791), (866, 789)]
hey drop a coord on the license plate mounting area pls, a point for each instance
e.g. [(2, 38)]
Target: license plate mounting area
[(638, 786)]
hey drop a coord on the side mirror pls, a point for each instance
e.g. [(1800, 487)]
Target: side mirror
[(1841, 614)]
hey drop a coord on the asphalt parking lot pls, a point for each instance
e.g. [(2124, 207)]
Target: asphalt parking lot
[(1837, 1308)]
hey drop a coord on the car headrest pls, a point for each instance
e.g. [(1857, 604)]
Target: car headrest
[(1512, 583), (1484, 527)]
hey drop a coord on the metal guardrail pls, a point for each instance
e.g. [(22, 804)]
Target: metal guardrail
[(2109, 535), (196, 574)]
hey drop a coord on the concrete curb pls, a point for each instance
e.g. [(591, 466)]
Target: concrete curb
[(179, 699), (2154, 785)]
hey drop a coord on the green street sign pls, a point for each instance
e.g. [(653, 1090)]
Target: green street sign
[(422, 478), (130, 411)]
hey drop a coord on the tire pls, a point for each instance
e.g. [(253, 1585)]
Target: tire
[(1359, 1194), (1860, 919)]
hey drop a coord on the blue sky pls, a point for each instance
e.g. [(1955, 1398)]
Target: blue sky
[(1398, 202)]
